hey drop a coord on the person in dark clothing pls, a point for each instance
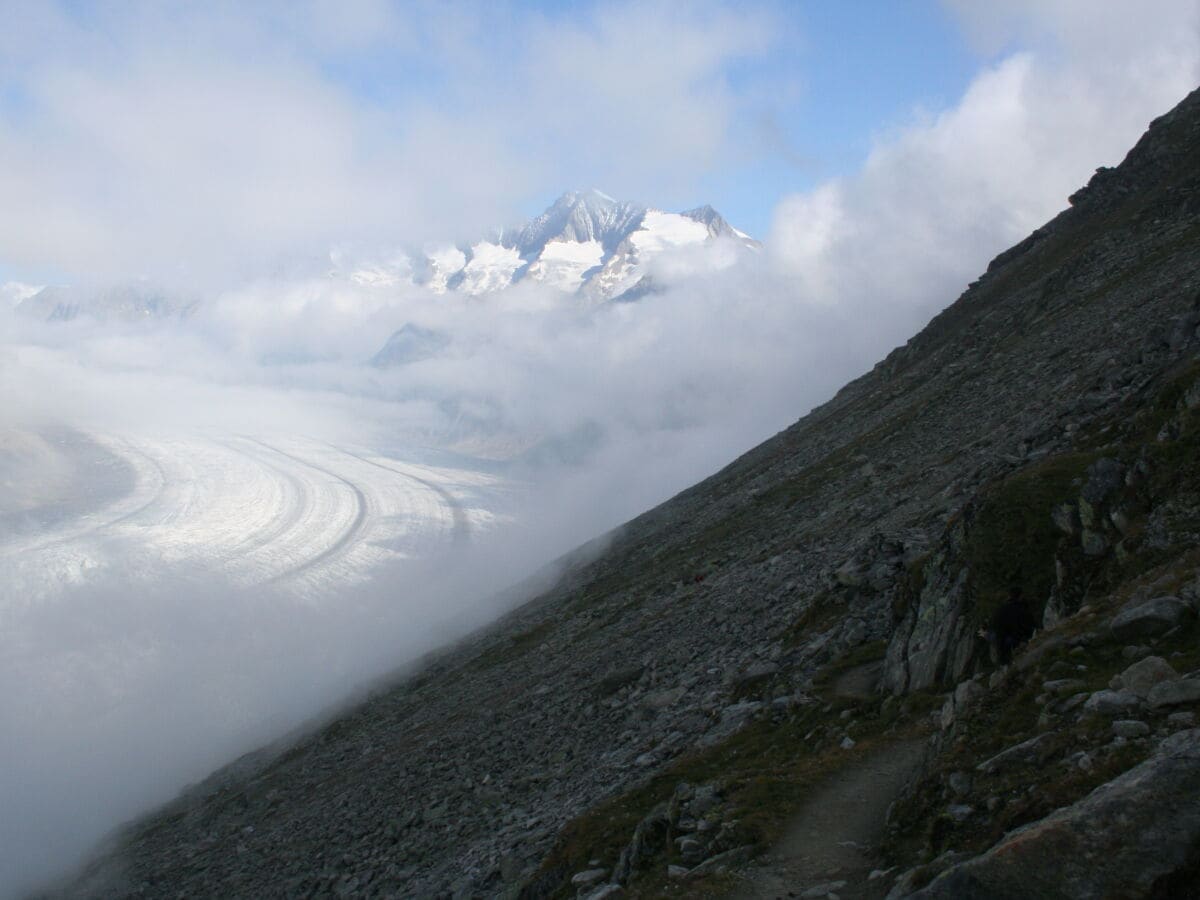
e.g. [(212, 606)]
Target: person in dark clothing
[(1012, 625)]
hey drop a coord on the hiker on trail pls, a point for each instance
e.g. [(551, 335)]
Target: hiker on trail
[(1012, 625)]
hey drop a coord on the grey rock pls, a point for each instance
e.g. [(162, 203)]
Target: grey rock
[(1144, 674), (960, 783), (1031, 751), (1130, 728), (1113, 703), (1073, 702), (1150, 619), (649, 837), (1066, 518), (960, 812), (905, 884), (739, 712), (733, 718), (705, 799), (1175, 693), (724, 861), (1125, 839), (1104, 478), (946, 716), (1182, 719), (822, 890), (1032, 656), (1191, 399), (691, 849), (1094, 543), (966, 694), (856, 633), (851, 573), (588, 877), (935, 641), (659, 700), (1063, 686)]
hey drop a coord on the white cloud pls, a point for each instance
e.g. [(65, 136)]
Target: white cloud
[(939, 197), (191, 141)]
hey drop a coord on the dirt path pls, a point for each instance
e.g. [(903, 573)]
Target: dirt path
[(833, 835)]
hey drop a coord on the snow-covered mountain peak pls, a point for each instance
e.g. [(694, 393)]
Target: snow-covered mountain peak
[(586, 242), (580, 216), (716, 224)]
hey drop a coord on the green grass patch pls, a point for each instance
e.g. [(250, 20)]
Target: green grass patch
[(765, 771), (1012, 540)]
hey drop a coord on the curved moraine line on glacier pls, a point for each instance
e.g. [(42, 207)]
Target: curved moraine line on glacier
[(347, 536), (158, 493), (298, 490), (460, 531), (301, 512)]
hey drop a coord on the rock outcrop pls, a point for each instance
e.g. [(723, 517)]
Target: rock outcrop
[(1136, 836)]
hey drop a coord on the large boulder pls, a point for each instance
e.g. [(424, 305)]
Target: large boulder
[(1175, 693), (934, 643), (1137, 836), (1150, 619), (1113, 703), (1144, 674)]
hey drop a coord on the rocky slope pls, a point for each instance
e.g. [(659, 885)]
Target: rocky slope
[(650, 725)]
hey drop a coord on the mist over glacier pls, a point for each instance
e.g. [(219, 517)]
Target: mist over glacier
[(148, 632)]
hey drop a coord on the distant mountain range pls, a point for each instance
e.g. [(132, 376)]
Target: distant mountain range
[(123, 302), (586, 243)]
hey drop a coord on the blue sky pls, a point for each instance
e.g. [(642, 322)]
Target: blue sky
[(191, 141), (832, 76), (841, 74), (858, 69)]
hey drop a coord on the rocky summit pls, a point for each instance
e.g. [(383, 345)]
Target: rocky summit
[(939, 638)]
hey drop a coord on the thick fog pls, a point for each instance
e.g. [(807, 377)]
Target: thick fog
[(178, 492)]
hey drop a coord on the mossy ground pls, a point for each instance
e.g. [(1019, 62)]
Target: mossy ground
[(765, 771), (1011, 714), (1012, 541)]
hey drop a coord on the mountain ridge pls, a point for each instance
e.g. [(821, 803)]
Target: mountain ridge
[(586, 242)]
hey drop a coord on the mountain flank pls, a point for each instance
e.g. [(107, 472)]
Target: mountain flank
[(655, 724)]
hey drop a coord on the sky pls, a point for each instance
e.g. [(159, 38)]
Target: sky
[(883, 152), (183, 140)]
